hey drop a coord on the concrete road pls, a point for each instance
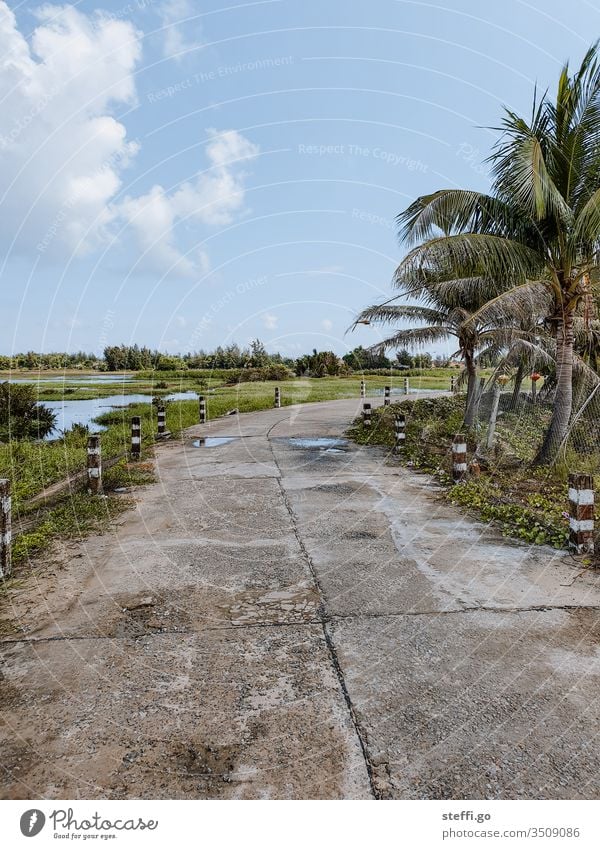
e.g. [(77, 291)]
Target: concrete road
[(285, 618)]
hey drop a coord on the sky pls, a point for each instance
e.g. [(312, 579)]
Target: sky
[(189, 174)]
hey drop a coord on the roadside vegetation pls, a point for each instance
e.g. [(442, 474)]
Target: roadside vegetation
[(525, 501)]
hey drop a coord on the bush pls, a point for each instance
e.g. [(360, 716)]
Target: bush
[(21, 417)]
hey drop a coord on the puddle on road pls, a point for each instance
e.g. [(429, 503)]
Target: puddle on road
[(213, 441), (332, 445)]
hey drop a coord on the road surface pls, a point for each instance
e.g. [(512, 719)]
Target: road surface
[(294, 619)]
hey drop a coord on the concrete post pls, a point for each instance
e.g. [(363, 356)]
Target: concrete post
[(363, 389), (367, 415), (533, 392), (162, 421), (277, 397), (202, 409), (400, 425), (386, 396), (581, 513), (493, 416), (94, 465), (406, 386), (136, 437), (5, 529), (459, 458)]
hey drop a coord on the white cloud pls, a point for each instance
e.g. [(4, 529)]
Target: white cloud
[(270, 321), (62, 152), (176, 30), (326, 324), (210, 198)]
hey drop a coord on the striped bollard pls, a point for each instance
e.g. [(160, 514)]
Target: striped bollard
[(5, 529), (406, 386), (277, 397), (400, 425), (459, 458), (162, 425), (363, 389), (581, 513), (452, 383), (386, 396), (202, 409), (367, 415), (94, 465), (136, 437)]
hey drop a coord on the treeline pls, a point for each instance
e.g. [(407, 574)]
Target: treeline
[(141, 358)]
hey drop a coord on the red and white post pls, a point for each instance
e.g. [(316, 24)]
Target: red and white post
[(581, 513), (136, 437), (459, 458), (400, 427), (94, 465)]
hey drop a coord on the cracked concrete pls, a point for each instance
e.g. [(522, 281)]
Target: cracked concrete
[(276, 619)]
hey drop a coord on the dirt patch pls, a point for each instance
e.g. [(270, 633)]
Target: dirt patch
[(255, 607)]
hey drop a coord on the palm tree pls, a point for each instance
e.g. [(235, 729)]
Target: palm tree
[(539, 227), (451, 309)]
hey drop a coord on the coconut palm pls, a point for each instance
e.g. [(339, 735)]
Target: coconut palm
[(452, 309), (539, 227)]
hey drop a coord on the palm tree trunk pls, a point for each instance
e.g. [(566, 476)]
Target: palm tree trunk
[(563, 398), (472, 390), (519, 376)]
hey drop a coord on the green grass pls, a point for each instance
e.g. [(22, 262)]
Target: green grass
[(74, 517)]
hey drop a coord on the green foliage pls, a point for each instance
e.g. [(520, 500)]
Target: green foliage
[(321, 364), (76, 517), (536, 518), (21, 417)]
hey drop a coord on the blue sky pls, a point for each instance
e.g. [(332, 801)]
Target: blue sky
[(184, 175)]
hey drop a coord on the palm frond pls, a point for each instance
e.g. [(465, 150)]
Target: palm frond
[(467, 255)]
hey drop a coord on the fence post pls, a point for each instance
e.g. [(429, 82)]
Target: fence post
[(366, 415), (400, 432), (406, 386), (5, 529), (277, 397), (136, 437), (452, 383), (386, 396), (493, 415), (581, 513), (94, 465), (202, 409), (162, 427), (363, 389), (459, 458)]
